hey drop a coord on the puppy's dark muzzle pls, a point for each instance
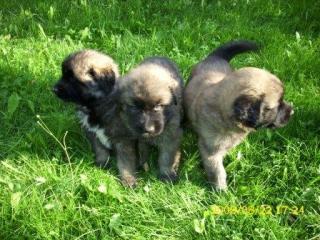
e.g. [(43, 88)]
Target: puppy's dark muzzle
[(58, 91), (284, 114), (55, 90), (61, 92), (288, 112)]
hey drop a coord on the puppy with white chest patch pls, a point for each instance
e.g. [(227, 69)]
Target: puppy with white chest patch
[(90, 80), (151, 100), (88, 77), (225, 105)]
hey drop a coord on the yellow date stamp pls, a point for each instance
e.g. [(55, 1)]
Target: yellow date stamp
[(260, 210)]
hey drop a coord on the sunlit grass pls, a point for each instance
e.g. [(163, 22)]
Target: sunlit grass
[(44, 196)]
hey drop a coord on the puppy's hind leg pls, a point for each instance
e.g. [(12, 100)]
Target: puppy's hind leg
[(169, 157), (212, 158), (102, 154)]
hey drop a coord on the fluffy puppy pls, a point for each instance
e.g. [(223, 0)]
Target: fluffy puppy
[(88, 77), (224, 105), (90, 80), (151, 101)]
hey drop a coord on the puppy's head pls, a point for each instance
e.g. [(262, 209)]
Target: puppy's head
[(259, 100), (86, 76), (148, 101)]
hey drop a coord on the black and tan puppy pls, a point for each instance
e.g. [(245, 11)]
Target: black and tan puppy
[(90, 80), (151, 99), (88, 77), (224, 105)]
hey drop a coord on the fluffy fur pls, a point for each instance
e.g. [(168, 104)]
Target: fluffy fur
[(152, 110), (224, 105), (89, 80)]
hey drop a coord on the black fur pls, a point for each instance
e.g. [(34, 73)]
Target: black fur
[(83, 93), (231, 49), (247, 111)]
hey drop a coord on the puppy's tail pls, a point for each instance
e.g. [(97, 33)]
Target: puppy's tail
[(233, 48)]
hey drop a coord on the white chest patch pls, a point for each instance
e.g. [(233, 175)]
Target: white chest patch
[(99, 132)]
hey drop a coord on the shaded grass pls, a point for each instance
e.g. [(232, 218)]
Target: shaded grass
[(42, 197)]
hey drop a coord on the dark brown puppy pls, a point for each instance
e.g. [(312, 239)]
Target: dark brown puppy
[(224, 105), (151, 100), (89, 79)]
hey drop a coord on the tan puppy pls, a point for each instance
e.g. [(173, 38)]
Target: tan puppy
[(151, 99), (224, 105)]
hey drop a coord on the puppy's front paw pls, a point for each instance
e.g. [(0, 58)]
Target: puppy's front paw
[(221, 187), (219, 183), (169, 177), (129, 181)]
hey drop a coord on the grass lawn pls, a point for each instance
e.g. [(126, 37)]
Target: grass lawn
[(45, 196)]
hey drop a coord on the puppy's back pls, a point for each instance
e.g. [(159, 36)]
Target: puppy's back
[(206, 75)]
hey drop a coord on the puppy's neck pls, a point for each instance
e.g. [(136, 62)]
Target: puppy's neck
[(107, 107)]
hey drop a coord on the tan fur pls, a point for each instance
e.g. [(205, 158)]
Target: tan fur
[(82, 62), (209, 103), (150, 81), (154, 83)]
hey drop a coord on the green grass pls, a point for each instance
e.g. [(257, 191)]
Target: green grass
[(42, 196)]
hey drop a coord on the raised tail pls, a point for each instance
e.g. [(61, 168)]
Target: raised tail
[(233, 48)]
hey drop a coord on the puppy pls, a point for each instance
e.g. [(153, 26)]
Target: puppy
[(224, 105), (151, 100), (90, 80), (88, 77)]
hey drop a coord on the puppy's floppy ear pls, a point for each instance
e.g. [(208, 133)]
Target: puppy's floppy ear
[(105, 77), (247, 110), (174, 96)]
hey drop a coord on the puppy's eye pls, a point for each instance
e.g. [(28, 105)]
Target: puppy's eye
[(267, 109), (92, 73)]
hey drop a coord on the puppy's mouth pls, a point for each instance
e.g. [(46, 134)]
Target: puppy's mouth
[(63, 95), (150, 135), (59, 93), (147, 135)]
